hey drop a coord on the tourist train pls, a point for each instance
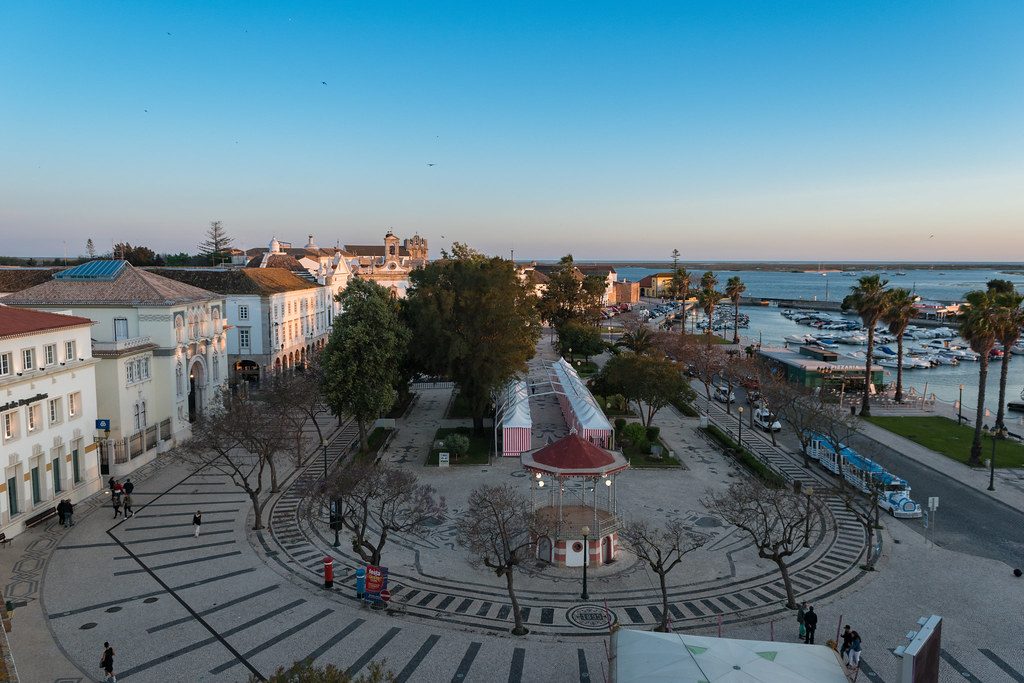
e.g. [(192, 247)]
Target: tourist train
[(893, 492)]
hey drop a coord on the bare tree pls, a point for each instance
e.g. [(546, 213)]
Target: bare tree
[(775, 519), (376, 501), (707, 363), (500, 531), (239, 438), (90, 248), (837, 426), (662, 549), (864, 506), (297, 398), (798, 408), (216, 243)]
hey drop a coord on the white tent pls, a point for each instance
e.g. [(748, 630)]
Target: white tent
[(579, 408), (653, 657), (514, 418)]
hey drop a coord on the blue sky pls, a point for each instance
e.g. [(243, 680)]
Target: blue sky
[(727, 129)]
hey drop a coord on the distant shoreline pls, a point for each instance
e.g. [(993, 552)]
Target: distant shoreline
[(798, 266)]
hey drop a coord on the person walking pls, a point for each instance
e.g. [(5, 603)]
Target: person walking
[(128, 506), (128, 486), (60, 512), (847, 638), (107, 663), (69, 512), (855, 646), (110, 484), (197, 522), (800, 619), (810, 624), (115, 500)]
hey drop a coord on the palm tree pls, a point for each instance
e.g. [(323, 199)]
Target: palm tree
[(867, 297), (1010, 319), (899, 309), (707, 299), (733, 289), (639, 340), (978, 325)]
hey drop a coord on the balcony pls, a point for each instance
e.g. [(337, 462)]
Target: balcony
[(121, 346)]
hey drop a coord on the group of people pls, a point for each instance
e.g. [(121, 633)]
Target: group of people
[(65, 512), (121, 496), (850, 649)]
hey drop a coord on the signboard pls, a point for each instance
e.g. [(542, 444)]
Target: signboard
[(442, 460), (103, 424), (933, 503), (385, 595), (336, 515), (376, 581)]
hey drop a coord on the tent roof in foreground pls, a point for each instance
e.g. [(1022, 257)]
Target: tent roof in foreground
[(683, 658)]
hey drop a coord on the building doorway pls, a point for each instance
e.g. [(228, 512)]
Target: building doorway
[(544, 549), (196, 382), (606, 550)]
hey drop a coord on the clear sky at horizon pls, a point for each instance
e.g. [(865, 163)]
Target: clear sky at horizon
[(769, 130)]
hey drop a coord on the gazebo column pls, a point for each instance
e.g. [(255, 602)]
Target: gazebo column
[(561, 485), (597, 527)]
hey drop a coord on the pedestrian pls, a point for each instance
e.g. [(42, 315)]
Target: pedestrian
[(110, 484), (128, 506), (800, 619), (107, 663), (115, 500), (69, 512), (847, 637), (60, 512), (855, 646), (810, 624), (197, 521), (129, 486)]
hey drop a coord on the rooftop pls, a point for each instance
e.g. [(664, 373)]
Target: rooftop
[(120, 284), (17, 322), (256, 281), (17, 279), (573, 455), (794, 358)]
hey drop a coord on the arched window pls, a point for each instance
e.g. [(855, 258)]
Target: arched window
[(138, 425), (142, 413), (179, 329)]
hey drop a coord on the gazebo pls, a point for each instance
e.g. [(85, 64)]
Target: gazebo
[(578, 478)]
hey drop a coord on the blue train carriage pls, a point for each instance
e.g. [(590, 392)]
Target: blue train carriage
[(821, 449)]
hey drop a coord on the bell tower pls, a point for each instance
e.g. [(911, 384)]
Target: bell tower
[(390, 247)]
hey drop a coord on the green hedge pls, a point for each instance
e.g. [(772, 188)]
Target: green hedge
[(762, 471), (686, 409)]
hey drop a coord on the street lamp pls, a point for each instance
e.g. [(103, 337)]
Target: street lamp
[(323, 442), (809, 490), (739, 421), (586, 556), (992, 462), (960, 407)]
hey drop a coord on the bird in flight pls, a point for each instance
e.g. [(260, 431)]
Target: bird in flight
[(324, 82), (146, 110), (931, 236), (429, 164)]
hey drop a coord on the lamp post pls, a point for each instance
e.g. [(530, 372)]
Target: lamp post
[(960, 407), (809, 490), (586, 557), (323, 443), (739, 421)]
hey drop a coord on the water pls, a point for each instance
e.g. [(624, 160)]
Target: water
[(941, 285), (944, 381)]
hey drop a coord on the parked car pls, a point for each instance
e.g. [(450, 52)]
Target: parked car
[(753, 396), (764, 419), (723, 395)]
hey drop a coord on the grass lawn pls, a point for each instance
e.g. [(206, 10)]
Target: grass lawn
[(479, 446), (585, 368), (952, 440), (460, 408), (376, 439), (641, 460)]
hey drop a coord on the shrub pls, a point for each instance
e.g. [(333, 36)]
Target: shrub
[(601, 401), (635, 433), (620, 424), (653, 433), (456, 444), (617, 402)]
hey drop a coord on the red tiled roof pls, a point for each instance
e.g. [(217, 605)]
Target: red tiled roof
[(574, 453), (15, 322)]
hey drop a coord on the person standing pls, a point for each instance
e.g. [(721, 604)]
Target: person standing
[(847, 638), (855, 646), (800, 619), (69, 512), (128, 486), (60, 512), (110, 484), (197, 522), (115, 500), (128, 506), (107, 663), (810, 624)]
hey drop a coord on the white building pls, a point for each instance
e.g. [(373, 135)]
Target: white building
[(276, 318), (47, 414), (162, 346), (328, 267)]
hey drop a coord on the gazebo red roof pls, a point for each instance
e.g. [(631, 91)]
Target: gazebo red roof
[(574, 456)]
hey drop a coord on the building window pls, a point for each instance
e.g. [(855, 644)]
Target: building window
[(55, 412), (74, 404), (76, 465), (243, 312), (34, 417), (12, 495), (28, 359), (142, 414), (69, 351), (144, 368), (10, 425), (37, 487), (243, 338), (55, 469), (50, 354), (5, 364), (120, 329), (138, 425), (130, 371), (179, 329)]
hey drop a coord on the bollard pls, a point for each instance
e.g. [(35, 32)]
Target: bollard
[(360, 582), (328, 572)]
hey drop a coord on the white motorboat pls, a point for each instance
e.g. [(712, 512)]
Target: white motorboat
[(946, 359), (887, 362), (855, 339), (799, 339)]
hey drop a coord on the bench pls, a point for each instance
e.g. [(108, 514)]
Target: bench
[(40, 517), (4, 540)]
